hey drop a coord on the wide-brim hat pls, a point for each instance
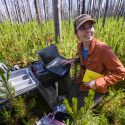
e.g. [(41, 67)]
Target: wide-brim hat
[(81, 19)]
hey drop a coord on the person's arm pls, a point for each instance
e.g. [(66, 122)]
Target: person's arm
[(70, 61), (115, 68)]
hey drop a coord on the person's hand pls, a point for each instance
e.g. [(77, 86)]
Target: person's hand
[(65, 62), (91, 84)]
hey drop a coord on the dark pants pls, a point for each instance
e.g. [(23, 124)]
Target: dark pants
[(65, 85), (71, 89), (80, 95)]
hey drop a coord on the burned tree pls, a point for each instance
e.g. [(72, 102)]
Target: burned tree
[(57, 19)]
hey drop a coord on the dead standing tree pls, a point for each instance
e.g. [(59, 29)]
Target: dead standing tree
[(120, 9), (19, 12), (16, 12), (37, 8), (123, 15), (44, 6), (78, 7), (57, 19), (7, 10), (23, 10), (29, 10), (46, 9), (106, 9), (83, 6), (70, 11), (98, 9), (89, 6)]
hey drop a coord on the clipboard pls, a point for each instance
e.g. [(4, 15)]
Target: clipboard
[(91, 75)]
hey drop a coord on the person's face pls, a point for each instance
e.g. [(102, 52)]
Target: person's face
[(86, 32)]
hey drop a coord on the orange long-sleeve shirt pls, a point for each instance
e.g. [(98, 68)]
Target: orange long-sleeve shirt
[(101, 59)]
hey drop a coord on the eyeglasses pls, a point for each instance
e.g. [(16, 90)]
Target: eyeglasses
[(86, 28)]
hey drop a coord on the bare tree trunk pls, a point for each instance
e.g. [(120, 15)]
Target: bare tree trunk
[(7, 10), (19, 13), (29, 10), (83, 6), (23, 11), (1, 20), (106, 8), (61, 9), (90, 3), (17, 16), (57, 19), (47, 9), (122, 8), (78, 7), (116, 8), (124, 13), (69, 12), (123, 16), (87, 7), (13, 11), (93, 8), (119, 10), (44, 6), (110, 10), (99, 6), (71, 7), (26, 10), (36, 3), (113, 11)]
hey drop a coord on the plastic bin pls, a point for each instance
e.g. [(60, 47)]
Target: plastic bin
[(23, 80)]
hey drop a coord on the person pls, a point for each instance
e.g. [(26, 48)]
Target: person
[(95, 56)]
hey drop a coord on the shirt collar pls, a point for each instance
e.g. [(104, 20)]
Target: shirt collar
[(91, 48)]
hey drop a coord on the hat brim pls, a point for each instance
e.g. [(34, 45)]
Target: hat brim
[(88, 20)]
